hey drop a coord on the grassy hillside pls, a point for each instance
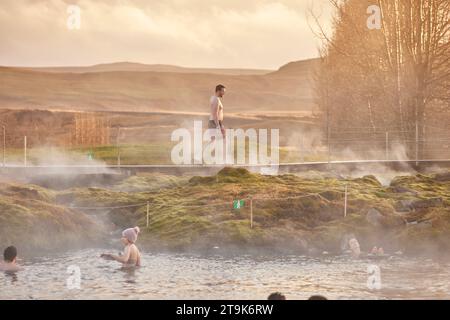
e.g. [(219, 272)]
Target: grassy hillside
[(298, 214), (155, 91)]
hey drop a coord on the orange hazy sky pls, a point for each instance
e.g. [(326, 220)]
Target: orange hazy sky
[(199, 33)]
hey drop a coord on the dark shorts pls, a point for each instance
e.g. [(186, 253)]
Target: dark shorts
[(212, 124)]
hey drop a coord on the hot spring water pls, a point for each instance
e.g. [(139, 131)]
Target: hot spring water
[(181, 276)]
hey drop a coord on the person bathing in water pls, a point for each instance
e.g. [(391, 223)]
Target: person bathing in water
[(9, 260), (131, 256)]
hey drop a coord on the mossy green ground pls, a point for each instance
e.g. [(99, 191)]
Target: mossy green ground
[(130, 154), (31, 220), (291, 213)]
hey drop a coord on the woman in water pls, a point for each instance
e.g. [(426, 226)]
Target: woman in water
[(131, 256)]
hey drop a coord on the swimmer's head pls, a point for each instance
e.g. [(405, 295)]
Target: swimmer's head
[(220, 90), (130, 235), (276, 296), (10, 254), (317, 297)]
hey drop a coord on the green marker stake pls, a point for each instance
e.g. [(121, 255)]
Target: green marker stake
[(237, 204)]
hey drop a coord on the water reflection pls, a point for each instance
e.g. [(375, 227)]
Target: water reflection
[(12, 276), (176, 276), (129, 274)]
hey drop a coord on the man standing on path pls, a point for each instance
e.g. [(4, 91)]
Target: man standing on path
[(216, 115), (216, 128)]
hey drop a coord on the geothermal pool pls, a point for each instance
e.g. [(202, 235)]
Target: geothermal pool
[(182, 276)]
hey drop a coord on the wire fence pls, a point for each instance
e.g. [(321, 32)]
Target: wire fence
[(340, 144), (248, 202), (393, 143)]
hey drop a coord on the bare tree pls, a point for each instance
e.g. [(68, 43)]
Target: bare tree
[(396, 77)]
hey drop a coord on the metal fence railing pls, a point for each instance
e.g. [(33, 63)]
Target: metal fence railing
[(339, 145)]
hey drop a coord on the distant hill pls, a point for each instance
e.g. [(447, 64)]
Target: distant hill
[(295, 68), (140, 67), (137, 89)]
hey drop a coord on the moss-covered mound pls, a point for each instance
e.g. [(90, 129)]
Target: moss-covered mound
[(301, 214), (149, 182), (31, 220)]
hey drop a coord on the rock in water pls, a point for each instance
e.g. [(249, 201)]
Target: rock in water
[(374, 217)]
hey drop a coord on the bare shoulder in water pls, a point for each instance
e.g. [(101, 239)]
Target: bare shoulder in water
[(131, 256), (7, 267)]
